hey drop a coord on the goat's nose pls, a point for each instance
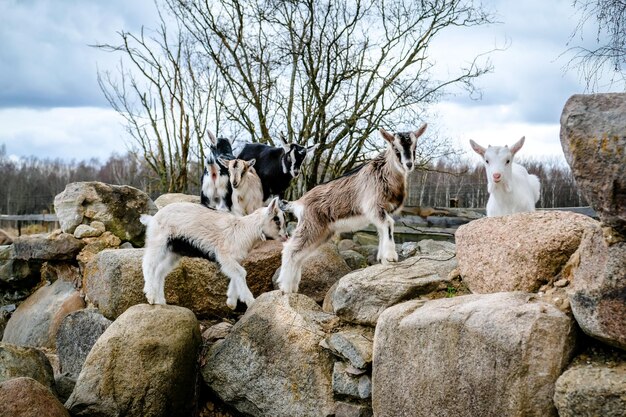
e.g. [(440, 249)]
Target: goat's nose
[(496, 176), (409, 165)]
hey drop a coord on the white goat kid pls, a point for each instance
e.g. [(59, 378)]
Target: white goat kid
[(511, 188), (369, 194), (190, 229), (247, 194)]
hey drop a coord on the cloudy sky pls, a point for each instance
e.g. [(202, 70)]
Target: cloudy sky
[(51, 105)]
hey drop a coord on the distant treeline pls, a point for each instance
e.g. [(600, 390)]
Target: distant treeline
[(29, 185)]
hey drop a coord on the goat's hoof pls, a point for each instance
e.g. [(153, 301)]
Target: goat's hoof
[(231, 303)]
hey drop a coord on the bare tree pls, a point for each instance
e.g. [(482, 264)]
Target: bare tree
[(328, 72), (608, 57), (164, 97)]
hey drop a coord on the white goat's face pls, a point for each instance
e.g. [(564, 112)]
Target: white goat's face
[(274, 223), (498, 161), (237, 169), (403, 145)]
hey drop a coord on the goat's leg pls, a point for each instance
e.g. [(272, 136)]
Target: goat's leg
[(386, 246), (237, 287), (163, 262), (303, 243)]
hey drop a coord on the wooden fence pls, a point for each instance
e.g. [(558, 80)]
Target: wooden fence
[(19, 220)]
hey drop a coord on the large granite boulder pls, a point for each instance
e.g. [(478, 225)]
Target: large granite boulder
[(593, 385), (475, 355), (77, 334), (593, 141), (361, 296), (25, 397), (598, 293), (271, 363), (20, 361), (118, 207), (519, 252), (169, 198), (143, 365), (320, 271), (36, 320)]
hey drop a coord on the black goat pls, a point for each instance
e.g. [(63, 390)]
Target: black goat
[(276, 166), (216, 191)]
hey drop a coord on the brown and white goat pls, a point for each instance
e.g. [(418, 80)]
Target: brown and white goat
[(370, 194), (247, 192)]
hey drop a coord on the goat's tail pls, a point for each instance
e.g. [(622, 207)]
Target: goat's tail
[(145, 219)]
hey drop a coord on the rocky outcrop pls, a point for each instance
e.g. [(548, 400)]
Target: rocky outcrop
[(271, 364), (49, 247), (143, 365), (36, 320), (20, 361), (593, 141), (169, 198), (320, 271), (476, 355), (598, 293), (523, 251), (361, 296), (118, 207), (25, 397), (113, 281), (592, 136), (77, 334), (594, 385)]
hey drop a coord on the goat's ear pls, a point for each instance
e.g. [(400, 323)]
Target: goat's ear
[(477, 148), (518, 145), (312, 148), (286, 147), (251, 162), (223, 162), (273, 206), (212, 137), (419, 132), (386, 135)]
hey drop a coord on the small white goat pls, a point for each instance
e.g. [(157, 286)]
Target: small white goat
[(511, 188), (247, 194), (190, 229), (368, 194)]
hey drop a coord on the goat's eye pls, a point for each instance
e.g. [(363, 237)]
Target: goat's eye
[(486, 161), (508, 160)]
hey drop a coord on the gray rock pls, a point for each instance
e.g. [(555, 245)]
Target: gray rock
[(320, 271), (169, 198), (592, 386), (143, 365), (20, 361), (354, 259), (593, 140), (362, 295), (36, 320), (25, 397), (271, 363), (216, 332), (365, 239), (77, 334), (346, 244), (53, 246), (475, 355), (408, 249), (345, 409), (64, 384), (354, 345), (85, 230), (344, 383), (118, 207), (598, 293), (523, 252)]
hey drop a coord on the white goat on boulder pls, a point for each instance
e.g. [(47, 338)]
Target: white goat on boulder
[(188, 229), (511, 188)]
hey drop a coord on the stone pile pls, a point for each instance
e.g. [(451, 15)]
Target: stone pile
[(486, 326)]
